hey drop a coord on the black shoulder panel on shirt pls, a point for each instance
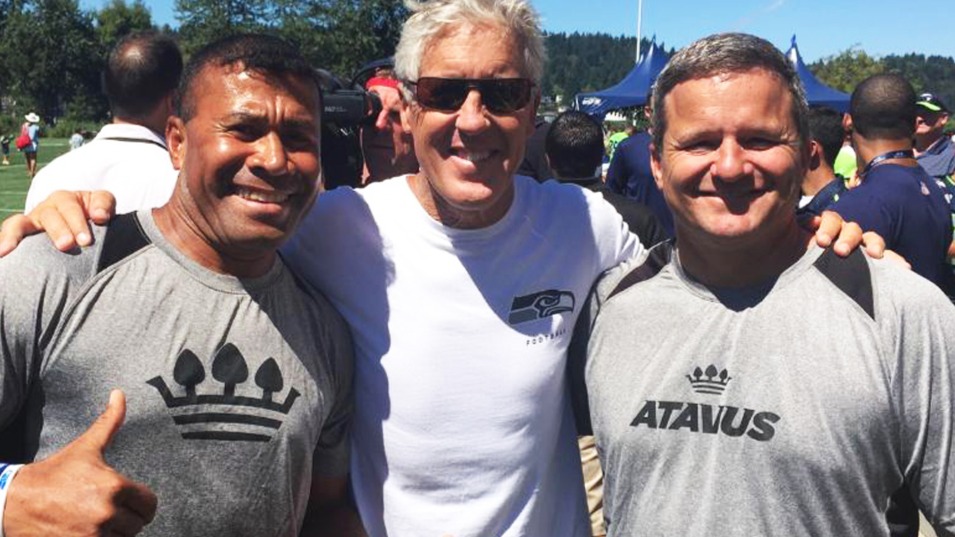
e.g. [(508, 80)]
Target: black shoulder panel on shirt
[(659, 256), (124, 237), (851, 275)]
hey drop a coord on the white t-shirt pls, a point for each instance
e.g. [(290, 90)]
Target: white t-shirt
[(130, 161), (462, 424)]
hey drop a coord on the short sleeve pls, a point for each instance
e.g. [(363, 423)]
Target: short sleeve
[(331, 457), (923, 384)]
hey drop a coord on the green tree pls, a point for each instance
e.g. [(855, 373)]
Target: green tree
[(118, 19), (203, 21), (933, 73), (846, 69), (342, 35), (51, 57), (337, 35)]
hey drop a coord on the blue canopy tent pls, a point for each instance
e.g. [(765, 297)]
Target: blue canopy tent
[(816, 92), (631, 91)]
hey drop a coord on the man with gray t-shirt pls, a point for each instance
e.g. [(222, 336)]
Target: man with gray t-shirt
[(237, 374), (776, 389)]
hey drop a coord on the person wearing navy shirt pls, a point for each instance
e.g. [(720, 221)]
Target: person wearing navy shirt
[(897, 199), (629, 175), (822, 186)]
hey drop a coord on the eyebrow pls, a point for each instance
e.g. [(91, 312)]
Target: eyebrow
[(240, 116)]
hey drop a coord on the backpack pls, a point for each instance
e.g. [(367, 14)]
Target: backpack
[(23, 141)]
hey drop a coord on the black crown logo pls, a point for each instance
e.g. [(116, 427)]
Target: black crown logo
[(714, 383), (229, 368)]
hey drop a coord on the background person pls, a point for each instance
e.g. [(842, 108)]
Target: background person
[(822, 186), (896, 198), (935, 151), (128, 157), (32, 129), (574, 151), (386, 147), (629, 173)]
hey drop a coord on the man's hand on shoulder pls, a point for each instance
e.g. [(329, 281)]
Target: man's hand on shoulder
[(64, 216), (845, 237), (74, 491)]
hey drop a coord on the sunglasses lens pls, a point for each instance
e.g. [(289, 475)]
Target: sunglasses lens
[(500, 96), (505, 96), (446, 94)]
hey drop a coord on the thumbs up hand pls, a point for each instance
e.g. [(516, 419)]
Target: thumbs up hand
[(74, 492)]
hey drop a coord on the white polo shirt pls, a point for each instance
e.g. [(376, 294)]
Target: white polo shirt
[(130, 161)]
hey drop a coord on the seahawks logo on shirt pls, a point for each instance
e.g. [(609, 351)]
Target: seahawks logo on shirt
[(540, 305)]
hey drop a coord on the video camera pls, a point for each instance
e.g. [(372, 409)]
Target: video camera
[(347, 107)]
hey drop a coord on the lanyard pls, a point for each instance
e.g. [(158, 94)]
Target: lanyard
[(879, 160)]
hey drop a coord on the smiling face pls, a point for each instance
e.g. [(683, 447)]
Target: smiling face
[(468, 157), (248, 159), (731, 163), (929, 123)]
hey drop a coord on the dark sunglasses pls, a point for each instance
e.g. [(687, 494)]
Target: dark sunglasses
[(499, 95)]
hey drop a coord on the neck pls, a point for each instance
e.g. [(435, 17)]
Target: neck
[(731, 264), (925, 141), (817, 179), (456, 217), (867, 150), (194, 239)]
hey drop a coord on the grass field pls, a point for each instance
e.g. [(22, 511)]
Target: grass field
[(14, 181)]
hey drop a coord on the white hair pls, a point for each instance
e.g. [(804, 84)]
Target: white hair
[(430, 19)]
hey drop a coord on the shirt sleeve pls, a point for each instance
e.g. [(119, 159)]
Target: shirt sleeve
[(923, 387), (33, 297), (331, 457)]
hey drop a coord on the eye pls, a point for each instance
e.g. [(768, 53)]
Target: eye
[(299, 140), (759, 143), (245, 131), (699, 146)]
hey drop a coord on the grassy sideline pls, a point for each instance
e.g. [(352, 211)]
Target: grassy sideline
[(14, 181)]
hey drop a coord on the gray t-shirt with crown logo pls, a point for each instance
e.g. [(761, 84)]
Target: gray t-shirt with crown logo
[(805, 407), (238, 390)]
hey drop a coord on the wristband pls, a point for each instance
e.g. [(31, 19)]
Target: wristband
[(7, 473)]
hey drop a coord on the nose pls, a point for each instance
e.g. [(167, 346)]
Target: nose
[(731, 162), (471, 117), (269, 155)]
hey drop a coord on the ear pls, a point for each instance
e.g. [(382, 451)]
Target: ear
[(176, 141), (406, 108), (814, 158), (846, 123), (815, 154), (656, 166)]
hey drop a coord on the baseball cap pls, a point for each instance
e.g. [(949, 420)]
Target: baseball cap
[(931, 102)]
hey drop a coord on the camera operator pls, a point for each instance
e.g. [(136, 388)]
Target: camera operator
[(386, 147), (363, 140)]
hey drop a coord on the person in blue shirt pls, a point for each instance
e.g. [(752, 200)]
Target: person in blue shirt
[(822, 186), (629, 174), (934, 151), (896, 198)]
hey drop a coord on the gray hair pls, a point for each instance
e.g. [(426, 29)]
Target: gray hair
[(430, 19), (722, 54)]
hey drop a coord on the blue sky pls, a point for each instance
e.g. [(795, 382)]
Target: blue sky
[(822, 27)]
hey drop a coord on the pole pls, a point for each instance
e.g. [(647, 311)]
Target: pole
[(639, 23)]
